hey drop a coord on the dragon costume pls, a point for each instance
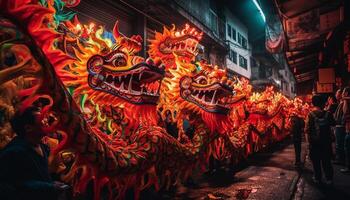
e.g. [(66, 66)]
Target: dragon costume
[(112, 160), (182, 45), (103, 98), (263, 118)]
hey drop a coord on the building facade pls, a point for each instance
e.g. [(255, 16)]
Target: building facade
[(144, 17), (238, 59)]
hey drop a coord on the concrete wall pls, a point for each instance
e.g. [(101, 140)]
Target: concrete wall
[(201, 10)]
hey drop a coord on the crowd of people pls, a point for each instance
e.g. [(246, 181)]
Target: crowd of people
[(327, 122)]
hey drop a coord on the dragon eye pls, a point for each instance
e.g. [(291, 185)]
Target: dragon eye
[(201, 80), (119, 60)]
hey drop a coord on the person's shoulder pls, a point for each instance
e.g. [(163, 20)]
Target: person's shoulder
[(12, 150), (46, 148), (328, 114), (311, 114)]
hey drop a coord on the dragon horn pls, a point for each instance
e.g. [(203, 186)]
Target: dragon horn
[(116, 33)]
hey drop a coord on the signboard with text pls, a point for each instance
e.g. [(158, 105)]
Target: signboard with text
[(324, 87)]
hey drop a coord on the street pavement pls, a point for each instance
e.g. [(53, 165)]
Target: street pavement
[(307, 190), (267, 175)]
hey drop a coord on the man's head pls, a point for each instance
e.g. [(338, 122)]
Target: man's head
[(338, 94), (318, 101), (29, 124), (331, 100), (346, 92)]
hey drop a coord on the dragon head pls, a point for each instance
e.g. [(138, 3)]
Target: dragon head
[(111, 75), (242, 88), (182, 43), (207, 89), (114, 71), (204, 93)]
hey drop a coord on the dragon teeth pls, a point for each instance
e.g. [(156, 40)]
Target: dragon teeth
[(122, 86), (130, 83), (203, 98), (213, 98)]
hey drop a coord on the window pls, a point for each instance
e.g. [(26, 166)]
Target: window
[(229, 30), (243, 62), (233, 56), (234, 34), (213, 21), (244, 42), (239, 37)]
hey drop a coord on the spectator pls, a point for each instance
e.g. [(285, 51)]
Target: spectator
[(346, 119), (318, 132), (24, 170), (332, 104), (297, 131), (339, 131), (338, 95)]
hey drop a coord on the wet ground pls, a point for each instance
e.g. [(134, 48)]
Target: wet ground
[(268, 175), (306, 189)]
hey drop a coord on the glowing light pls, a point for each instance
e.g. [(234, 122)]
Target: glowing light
[(260, 10), (78, 27)]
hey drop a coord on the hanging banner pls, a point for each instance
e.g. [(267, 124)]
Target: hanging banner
[(275, 41)]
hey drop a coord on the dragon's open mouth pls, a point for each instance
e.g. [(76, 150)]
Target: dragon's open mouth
[(183, 46), (138, 85), (212, 98)]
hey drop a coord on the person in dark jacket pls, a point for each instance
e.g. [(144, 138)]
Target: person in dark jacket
[(318, 132), (346, 122), (297, 131), (332, 104), (24, 172), (339, 130)]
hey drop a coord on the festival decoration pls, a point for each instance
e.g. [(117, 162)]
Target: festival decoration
[(182, 43), (108, 105)]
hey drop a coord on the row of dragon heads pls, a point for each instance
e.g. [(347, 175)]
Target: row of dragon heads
[(109, 106)]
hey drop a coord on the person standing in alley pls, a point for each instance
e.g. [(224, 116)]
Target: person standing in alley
[(346, 119), (339, 130), (297, 130), (318, 134), (332, 104)]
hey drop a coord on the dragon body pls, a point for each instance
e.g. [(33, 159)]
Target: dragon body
[(107, 103), (84, 149), (118, 94)]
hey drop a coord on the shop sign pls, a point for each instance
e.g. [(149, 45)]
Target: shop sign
[(324, 87)]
